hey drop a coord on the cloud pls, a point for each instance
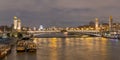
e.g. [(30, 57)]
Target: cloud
[(40, 5), (28, 5), (60, 12)]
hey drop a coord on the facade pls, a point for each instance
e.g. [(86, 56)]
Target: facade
[(17, 24), (41, 27), (96, 24)]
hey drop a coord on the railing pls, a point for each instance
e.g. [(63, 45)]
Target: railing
[(50, 31)]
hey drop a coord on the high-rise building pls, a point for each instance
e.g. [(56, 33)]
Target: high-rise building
[(15, 22), (110, 23), (96, 24)]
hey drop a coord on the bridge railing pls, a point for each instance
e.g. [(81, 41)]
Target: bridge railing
[(50, 31)]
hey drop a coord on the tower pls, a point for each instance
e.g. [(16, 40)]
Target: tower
[(19, 25), (15, 22), (110, 23), (41, 27), (96, 24)]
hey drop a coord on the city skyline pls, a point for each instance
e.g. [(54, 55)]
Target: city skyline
[(58, 13)]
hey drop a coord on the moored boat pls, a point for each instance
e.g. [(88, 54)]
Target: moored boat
[(4, 50), (31, 47), (21, 46)]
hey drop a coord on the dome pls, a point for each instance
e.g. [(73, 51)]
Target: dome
[(15, 17), (19, 20)]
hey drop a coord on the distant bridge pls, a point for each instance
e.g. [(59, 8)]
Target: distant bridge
[(91, 32), (55, 31)]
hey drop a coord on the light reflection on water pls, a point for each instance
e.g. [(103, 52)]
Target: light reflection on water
[(91, 48)]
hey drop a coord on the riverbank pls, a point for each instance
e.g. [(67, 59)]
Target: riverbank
[(6, 45)]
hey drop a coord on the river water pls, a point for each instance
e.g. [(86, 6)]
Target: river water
[(91, 48)]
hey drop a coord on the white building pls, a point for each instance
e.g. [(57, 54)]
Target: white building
[(17, 23), (40, 27), (96, 24)]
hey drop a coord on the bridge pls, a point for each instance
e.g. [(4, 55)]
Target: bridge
[(55, 31), (90, 32)]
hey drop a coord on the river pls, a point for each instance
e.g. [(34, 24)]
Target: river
[(90, 48)]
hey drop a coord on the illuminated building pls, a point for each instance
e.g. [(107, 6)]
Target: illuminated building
[(34, 28), (15, 22), (19, 25), (110, 23), (96, 24), (41, 27)]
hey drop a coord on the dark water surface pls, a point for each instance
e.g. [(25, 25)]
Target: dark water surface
[(91, 48)]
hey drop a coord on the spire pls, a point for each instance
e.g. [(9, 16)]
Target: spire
[(110, 23)]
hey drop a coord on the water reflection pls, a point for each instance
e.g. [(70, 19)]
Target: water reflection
[(53, 50), (26, 56), (91, 48)]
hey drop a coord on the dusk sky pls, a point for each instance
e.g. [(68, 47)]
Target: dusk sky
[(58, 12)]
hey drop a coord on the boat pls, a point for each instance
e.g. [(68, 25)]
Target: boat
[(112, 35), (4, 50), (5, 45), (26, 45), (31, 47), (21, 46)]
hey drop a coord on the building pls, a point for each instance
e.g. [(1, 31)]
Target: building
[(40, 27), (96, 24), (17, 24), (110, 23)]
